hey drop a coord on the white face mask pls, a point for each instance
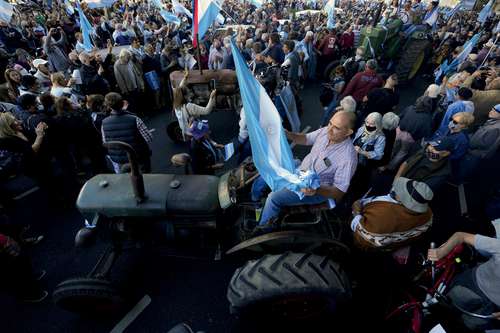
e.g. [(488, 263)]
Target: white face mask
[(357, 57)]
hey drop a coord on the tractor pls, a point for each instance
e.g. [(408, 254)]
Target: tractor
[(401, 55), (134, 211)]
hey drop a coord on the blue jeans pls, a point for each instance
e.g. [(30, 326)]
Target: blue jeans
[(284, 197)]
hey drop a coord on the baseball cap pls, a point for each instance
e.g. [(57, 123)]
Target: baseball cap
[(497, 108)]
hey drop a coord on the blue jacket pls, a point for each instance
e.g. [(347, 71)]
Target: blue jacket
[(374, 146)]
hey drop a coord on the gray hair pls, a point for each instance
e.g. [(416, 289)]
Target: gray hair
[(390, 121), (372, 64), (348, 104)]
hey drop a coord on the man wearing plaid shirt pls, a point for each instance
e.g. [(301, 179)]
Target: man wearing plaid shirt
[(124, 126), (332, 157)]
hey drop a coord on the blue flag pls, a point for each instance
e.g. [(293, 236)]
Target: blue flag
[(446, 68), (86, 28), (70, 10), (330, 23), (170, 17), (453, 11), (485, 12), (270, 150)]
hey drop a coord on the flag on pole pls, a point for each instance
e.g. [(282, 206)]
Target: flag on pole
[(157, 4), (446, 68), (205, 12), (330, 4), (70, 10), (330, 23), (180, 9), (170, 17), (431, 17), (270, 150), (99, 3), (453, 11), (257, 3), (86, 28), (6, 11), (485, 12)]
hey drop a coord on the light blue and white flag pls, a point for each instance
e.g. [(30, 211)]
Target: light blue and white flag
[(180, 9), (449, 15), (6, 11), (157, 4), (99, 3), (205, 13), (497, 28), (485, 12), (257, 3), (170, 17), (329, 5), (431, 17), (446, 68), (270, 150), (86, 28), (330, 23), (70, 10)]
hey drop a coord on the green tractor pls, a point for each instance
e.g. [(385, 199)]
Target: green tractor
[(394, 53)]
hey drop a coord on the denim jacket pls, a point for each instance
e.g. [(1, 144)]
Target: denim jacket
[(374, 146)]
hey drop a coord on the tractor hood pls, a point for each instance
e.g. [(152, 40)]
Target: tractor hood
[(112, 195)]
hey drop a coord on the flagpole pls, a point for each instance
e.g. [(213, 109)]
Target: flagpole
[(198, 54), (488, 54)]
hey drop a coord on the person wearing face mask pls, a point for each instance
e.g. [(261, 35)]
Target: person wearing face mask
[(455, 137), (369, 143)]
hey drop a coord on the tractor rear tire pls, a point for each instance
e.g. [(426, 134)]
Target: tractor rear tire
[(88, 296), (290, 285), (329, 72), (412, 59)]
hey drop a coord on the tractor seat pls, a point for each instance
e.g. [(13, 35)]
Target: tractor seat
[(301, 209)]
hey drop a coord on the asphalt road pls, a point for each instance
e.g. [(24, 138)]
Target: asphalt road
[(184, 286)]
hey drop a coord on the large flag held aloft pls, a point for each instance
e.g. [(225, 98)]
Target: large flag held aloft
[(170, 17), (86, 28), (485, 12), (271, 152), (99, 3), (446, 68), (6, 11), (180, 9), (205, 13)]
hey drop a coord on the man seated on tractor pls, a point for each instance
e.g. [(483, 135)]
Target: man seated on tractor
[(332, 157), (393, 220), (476, 290)]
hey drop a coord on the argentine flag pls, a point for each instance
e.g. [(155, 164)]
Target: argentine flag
[(446, 68), (485, 12), (99, 3), (170, 17), (329, 5), (70, 10), (86, 28), (452, 12), (270, 149), (205, 13), (257, 3), (180, 9), (330, 23), (6, 11), (431, 17)]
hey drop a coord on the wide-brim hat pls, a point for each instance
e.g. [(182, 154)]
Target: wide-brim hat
[(412, 194)]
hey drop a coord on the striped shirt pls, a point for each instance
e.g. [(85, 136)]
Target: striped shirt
[(335, 164)]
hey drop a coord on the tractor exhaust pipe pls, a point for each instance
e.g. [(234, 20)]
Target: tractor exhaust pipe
[(135, 173), (377, 14)]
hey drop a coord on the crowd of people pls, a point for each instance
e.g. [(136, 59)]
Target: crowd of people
[(60, 100)]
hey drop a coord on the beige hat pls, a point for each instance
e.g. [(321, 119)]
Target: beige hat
[(412, 194), (433, 90), (38, 62), (489, 44), (473, 57)]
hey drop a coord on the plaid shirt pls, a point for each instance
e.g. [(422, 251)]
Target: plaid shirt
[(141, 127), (334, 163)]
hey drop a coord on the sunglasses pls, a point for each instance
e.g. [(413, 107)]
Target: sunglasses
[(455, 122)]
